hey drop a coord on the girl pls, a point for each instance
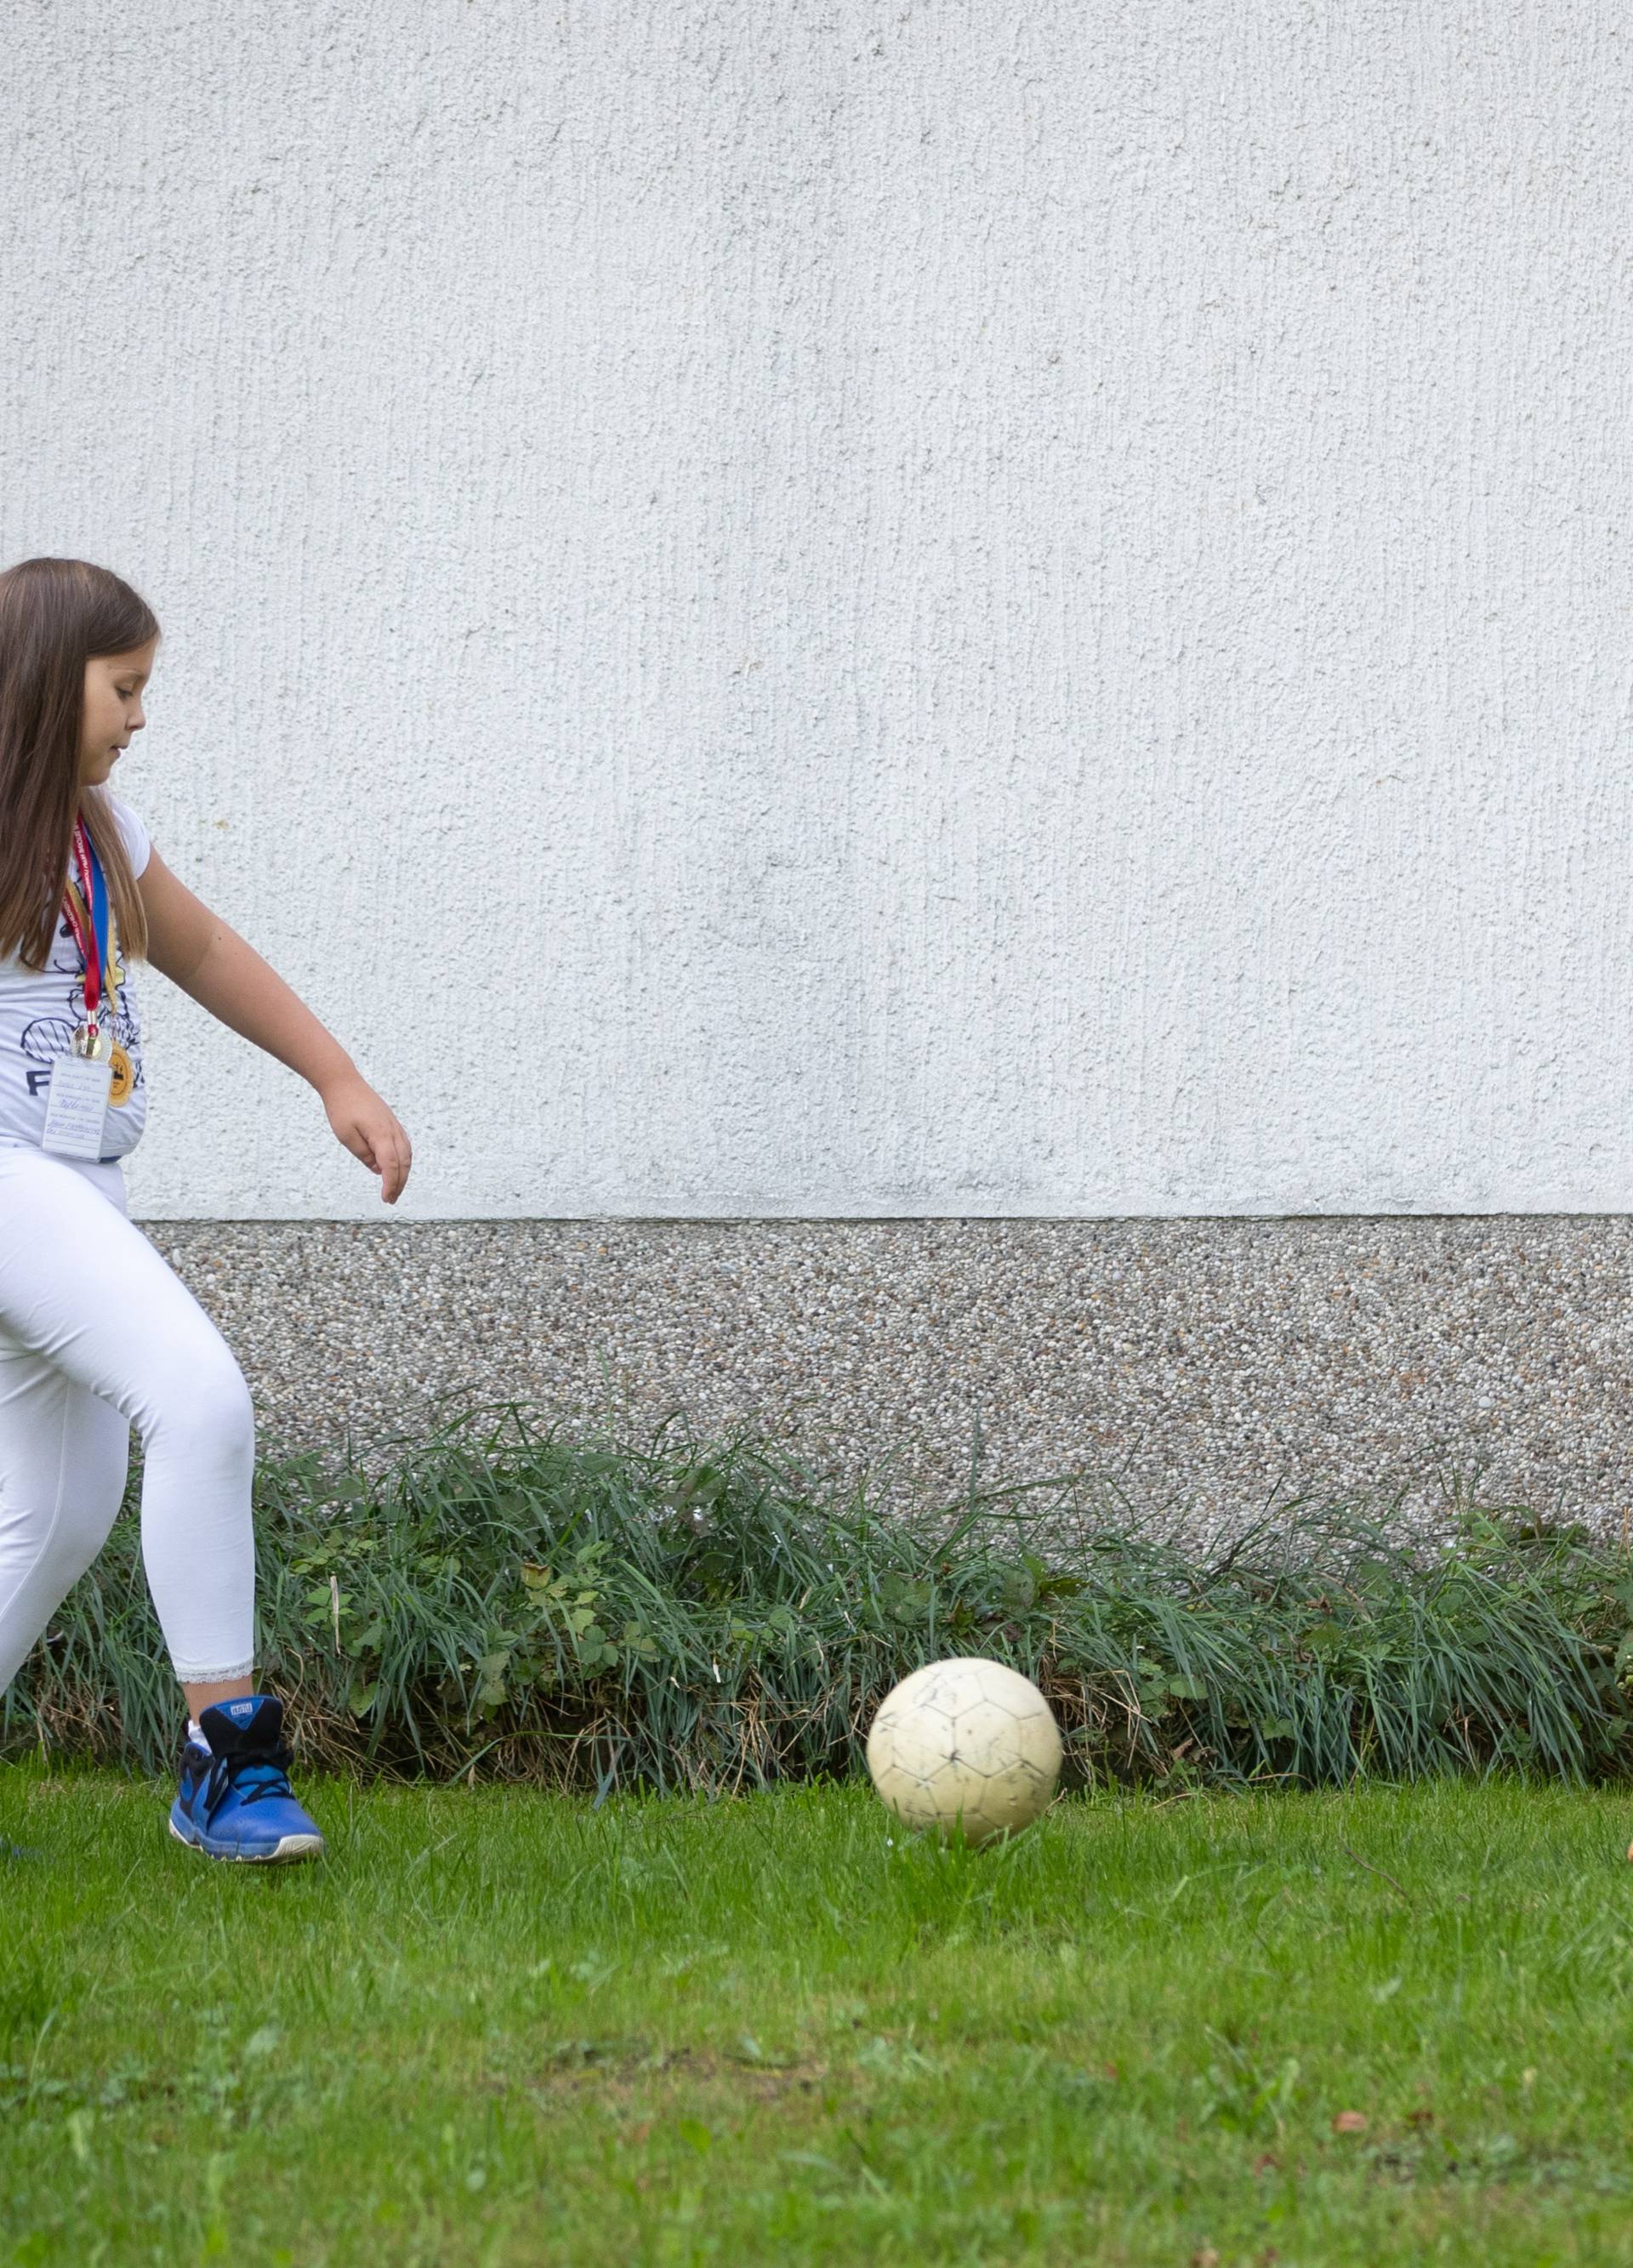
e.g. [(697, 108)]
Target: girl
[(97, 1334)]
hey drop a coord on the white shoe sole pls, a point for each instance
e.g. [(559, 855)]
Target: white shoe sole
[(290, 1847)]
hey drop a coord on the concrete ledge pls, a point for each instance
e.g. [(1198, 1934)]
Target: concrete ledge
[(1214, 1360)]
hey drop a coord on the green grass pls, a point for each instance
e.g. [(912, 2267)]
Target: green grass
[(689, 1615), (502, 2026)]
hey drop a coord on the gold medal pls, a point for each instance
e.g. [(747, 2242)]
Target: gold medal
[(104, 970)]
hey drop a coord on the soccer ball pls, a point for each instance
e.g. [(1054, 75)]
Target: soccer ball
[(966, 1746)]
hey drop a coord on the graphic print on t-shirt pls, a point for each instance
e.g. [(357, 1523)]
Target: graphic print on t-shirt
[(47, 1037), (41, 1009)]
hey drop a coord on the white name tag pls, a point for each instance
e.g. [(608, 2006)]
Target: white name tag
[(76, 1106)]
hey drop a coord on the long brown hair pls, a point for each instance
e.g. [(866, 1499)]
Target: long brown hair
[(55, 615)]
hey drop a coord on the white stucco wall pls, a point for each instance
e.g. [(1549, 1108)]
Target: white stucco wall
[(787, 610)]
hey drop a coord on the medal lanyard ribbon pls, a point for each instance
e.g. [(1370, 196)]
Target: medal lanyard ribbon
[(87, 909)]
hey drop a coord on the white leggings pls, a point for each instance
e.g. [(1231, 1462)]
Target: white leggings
[(99, 1334)]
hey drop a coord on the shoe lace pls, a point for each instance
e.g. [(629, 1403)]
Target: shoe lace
[(263, 1773)]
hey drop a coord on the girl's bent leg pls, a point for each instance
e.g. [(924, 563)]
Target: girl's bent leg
[(84, 1290)]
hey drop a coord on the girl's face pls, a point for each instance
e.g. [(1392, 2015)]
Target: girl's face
[(113, 709)]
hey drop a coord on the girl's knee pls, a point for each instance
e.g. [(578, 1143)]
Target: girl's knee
[(207, 1402), (221, 1403)]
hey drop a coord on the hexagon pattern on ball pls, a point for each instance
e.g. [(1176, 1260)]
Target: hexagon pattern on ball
[(966, 1746)]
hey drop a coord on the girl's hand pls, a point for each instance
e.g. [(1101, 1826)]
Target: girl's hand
[(362, 1121)]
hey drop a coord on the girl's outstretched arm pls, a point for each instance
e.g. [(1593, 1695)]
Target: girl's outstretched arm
[(196, 950)]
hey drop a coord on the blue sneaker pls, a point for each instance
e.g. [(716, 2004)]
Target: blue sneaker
[(235, 1800)]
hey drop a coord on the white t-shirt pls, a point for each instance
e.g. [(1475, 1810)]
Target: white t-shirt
[(39, 1011)]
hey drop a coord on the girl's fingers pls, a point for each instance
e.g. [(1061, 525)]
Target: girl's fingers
[(395, 1157), (382, 1145)]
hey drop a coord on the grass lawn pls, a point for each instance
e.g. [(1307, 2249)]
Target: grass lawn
[(501, 2027)]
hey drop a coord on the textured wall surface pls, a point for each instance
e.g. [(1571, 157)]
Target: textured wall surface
[(787, 610), (1207, 1366)]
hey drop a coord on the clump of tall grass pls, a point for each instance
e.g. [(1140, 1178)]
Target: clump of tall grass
[(504, 1600)]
